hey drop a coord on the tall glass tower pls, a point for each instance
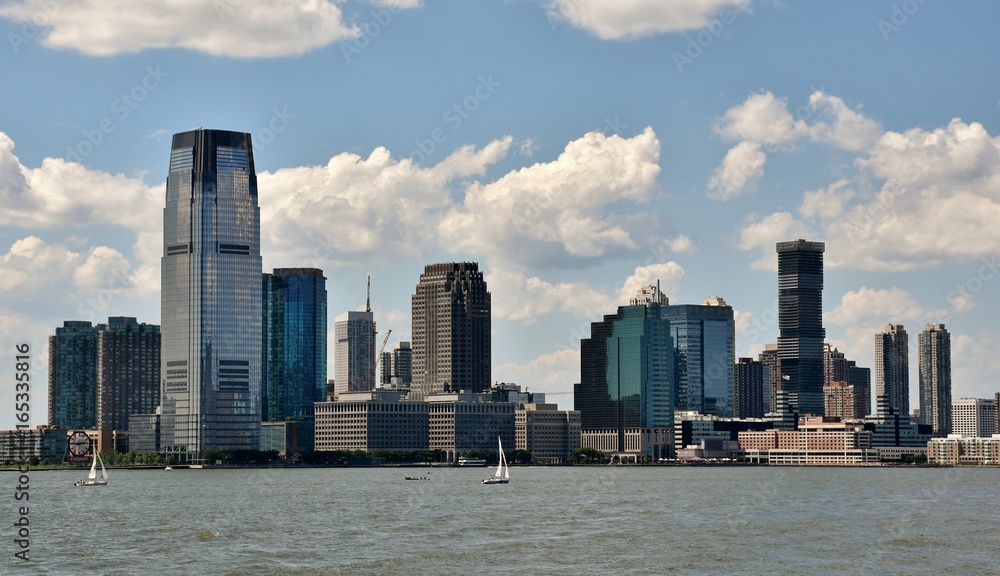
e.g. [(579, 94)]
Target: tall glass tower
[(800, 321), (295, 342), (934, 344), (704, 338), (211, 296), (892, 368)]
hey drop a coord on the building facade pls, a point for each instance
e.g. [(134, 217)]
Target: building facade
[(372, 420), (704, 339), (211, 303), (844, 401), (128, 373), (73, 376), (769, 357), (294, 303), (800, 321), (550, 434), (975, 417), (956, 450), (892, 367), (451, 342), (354, 351), (861, 379), (934, 348), (626, 370), (396, 367), (462, 421), (749, 383)]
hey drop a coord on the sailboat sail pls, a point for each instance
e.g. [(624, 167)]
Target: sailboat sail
[(502, 475), (104, 473), (93, 469)]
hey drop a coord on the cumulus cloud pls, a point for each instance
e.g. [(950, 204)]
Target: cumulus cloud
[(624, 19), (740, 171), (554, 374), (764, 234), (762, 118), (264, 28)]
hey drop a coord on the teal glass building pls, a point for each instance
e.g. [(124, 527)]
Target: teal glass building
[(73, 376), (704, 338)]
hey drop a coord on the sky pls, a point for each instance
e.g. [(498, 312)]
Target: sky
[(575, 149)]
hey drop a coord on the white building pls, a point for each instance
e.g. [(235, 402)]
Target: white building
[(354, 352), (974, 417)]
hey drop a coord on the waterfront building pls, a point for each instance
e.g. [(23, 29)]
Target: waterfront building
[(550, 434), (396, 366), (894, 434), (693, 430), (996, 402), (354, 352), (128, 376), (211, 303), (785, 415), (294, 305), (816, 442), (974, 417), (800, 321), (769, 357), (144, 433), (372, 420), (704, 340), (934, 348), (956, 449), (633, 445), (43, 443), (288, 437), (451, 342), (748, 388), (844, 401), (73, 376), (626, 369), (460, 421), (892, 367)]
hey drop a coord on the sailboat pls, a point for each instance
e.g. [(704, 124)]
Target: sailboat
[(502, 475), (92, 476)]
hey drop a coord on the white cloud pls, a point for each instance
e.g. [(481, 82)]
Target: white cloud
[(835, 123), (826, 203), (765, 233), (636, 18), (975, 364), (263, 28), (553, 374), (762, 118), (740, 171)]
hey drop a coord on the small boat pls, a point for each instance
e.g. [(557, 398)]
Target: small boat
[(502, 475), (168, 467), (418, 477), (92, 479)]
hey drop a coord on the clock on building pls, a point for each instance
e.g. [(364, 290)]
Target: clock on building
[(79, 443)]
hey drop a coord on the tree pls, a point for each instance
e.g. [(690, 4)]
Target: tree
[(522, 457), (585, 455)]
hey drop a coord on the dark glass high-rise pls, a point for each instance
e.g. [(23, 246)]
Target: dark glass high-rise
[(800, 321)]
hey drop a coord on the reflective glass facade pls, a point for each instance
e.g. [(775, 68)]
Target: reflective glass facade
[(704, 338), (295, 342), (626, 372), (128, 364), (800, 321), (211, 295), (73, 376)]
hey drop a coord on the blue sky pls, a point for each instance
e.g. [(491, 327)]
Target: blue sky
[(576, 149)]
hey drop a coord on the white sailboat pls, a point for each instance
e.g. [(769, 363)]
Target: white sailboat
[(502, 475), (92, 479)]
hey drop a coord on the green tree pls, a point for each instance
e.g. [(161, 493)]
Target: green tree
[(585, 455), (522, 457)]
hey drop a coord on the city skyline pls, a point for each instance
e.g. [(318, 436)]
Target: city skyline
[(588, 158)]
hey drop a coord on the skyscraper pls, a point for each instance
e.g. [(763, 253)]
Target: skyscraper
[(769, 357), (397, 366), (451, 330), (626, 368), (749, 382), (211, 295), (353, 351), (834, 365), (892, 368), (934, 345), (800, 321), (128, 371), (295, 342), (704, 338), (73, 376), (861, 379)]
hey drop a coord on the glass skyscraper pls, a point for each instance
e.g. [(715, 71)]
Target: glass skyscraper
[(892, 368), (211, 295), (73, 376), (295, 342), (704, 338), (800, 321), (451, 330), (626, 368), (934, 345)]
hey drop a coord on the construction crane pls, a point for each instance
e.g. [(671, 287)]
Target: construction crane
[(371, 375)]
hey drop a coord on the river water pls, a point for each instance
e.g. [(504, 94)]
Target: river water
[(558, 520)]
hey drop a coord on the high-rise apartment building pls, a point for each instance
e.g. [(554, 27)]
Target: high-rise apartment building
[(769, 357), (800, 321), (892, 367), (73, 376), (211, 296), (451, 342), (750, 378), (934, 347), (626, 368), (834, 365), (861, 379), (974, 417), (704, 338), (844, 401), (354, 352), (128, 371), (294, 323)]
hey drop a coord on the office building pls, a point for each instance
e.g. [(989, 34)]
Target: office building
[(211, 303), (704, 339), (294, 303), (44, 444), (974, 417), (934, 348), (769, 357), (748, 388), (354, 352), (816, 442), (892, 367), (550, 434), (861, 379), (396, 366), (73, 376), (460, 421), (128, 375), (800, 321), (372, 420), (451, 342)]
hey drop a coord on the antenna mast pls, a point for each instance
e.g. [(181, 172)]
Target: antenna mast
[(368, 296)]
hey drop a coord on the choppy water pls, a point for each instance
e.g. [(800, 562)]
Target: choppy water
[(564, 521)]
